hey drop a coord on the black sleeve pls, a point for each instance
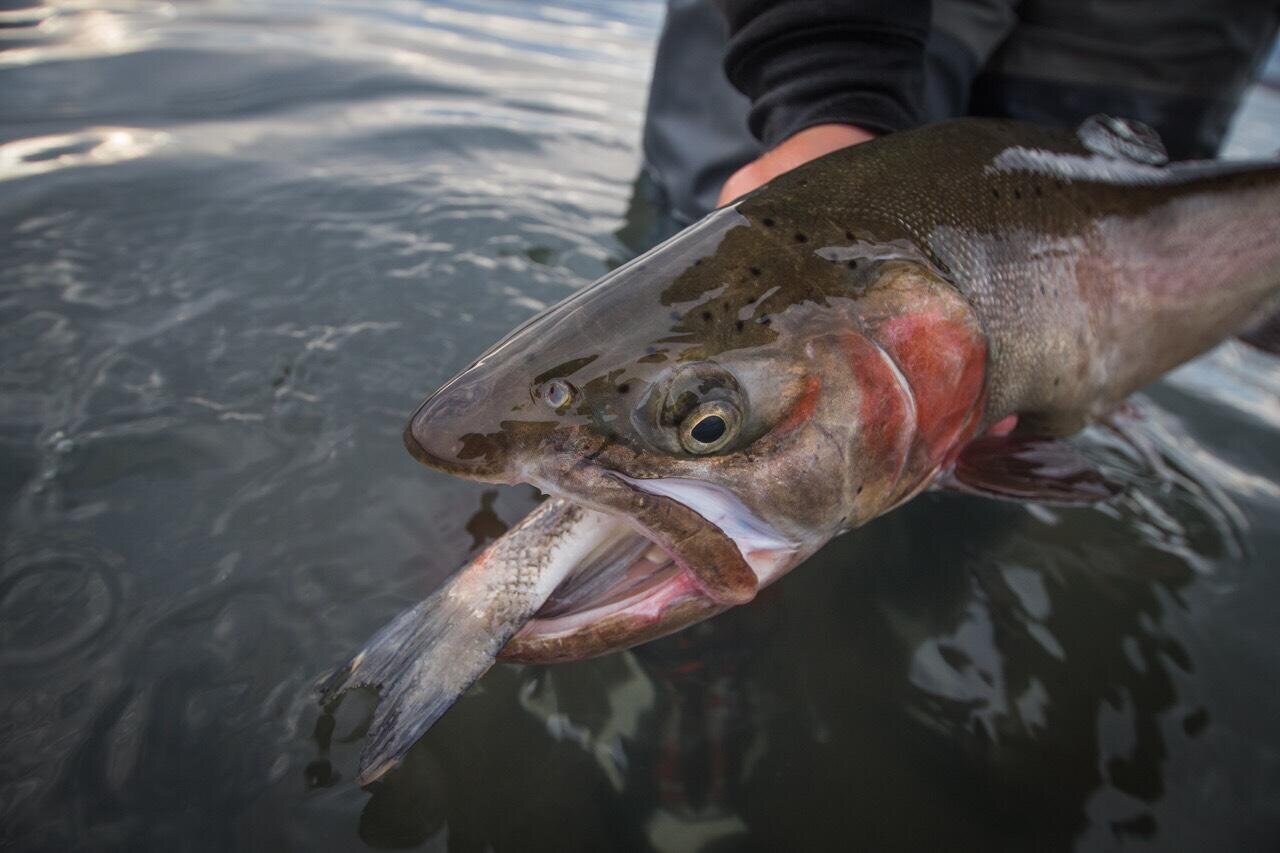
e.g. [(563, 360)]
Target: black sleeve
[(807, 62)]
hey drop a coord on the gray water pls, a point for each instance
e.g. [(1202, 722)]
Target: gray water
[(241, 240)]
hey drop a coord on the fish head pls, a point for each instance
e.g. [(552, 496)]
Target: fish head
[(724, 394)]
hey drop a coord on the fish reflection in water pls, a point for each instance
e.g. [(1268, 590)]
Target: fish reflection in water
[(1000, 644)]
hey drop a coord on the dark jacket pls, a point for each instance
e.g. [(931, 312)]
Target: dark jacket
[(1178, 65)]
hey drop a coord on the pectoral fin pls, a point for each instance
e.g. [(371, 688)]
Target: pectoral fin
[(1027, 468)]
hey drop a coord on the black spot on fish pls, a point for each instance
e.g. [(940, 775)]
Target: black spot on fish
[(1017, 194), (706, 316), (624, 388), (767, 222), (739, 325), (848, 235), (754, 271), (725, 307), (1057, 380), (995, 193), (698, 262), (853, 265), (566, 368), (801, 238)]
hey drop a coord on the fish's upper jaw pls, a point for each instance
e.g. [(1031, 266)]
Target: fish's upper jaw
[(766, 550), (430, 453), (713, 558), (442, 435), (729, 550)]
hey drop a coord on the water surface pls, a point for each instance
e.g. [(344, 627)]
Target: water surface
[(241, 240)]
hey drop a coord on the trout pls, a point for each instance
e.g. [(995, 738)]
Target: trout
[(936, 308)]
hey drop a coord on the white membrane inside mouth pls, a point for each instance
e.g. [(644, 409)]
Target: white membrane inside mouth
[(766, 550), (628, 565), (631, 575)]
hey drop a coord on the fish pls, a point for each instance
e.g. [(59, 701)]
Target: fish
[(937, 308), (471, 618)]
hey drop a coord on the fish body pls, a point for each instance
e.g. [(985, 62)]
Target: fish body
[(429, 655), (860, 329)]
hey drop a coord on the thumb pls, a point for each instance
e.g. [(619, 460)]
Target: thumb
[(795, 150)]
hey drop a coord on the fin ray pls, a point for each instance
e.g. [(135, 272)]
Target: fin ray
[(1028, 468)]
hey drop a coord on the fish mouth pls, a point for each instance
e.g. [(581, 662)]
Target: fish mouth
[(685, 551), (651, 582), (639, 595)]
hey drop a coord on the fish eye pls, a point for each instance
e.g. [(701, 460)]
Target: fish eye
[(557, 394), (709, 427)]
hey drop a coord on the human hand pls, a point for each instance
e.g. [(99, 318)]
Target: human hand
[(808, 144)]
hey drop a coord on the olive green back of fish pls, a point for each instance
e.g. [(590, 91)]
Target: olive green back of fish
[(1093, 266)]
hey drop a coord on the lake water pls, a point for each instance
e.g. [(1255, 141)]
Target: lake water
[(242, 240)]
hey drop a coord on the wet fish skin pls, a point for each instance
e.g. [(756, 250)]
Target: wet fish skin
[(869, 313), (1090, 275), (860, 321)]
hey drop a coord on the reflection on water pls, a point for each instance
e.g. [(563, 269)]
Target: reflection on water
[(242, 241)]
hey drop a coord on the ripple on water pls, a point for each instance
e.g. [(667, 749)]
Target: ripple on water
[(54, 603)]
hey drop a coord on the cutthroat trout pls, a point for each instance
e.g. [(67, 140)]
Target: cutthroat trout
[(938, 307)]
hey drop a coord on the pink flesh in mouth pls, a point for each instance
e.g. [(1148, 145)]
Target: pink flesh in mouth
[(644, 588), (639, 580)]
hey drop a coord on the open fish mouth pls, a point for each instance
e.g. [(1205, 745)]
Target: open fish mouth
[(644, 585), (683, 550)]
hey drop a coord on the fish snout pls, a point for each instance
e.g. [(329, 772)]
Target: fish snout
[(453, 431)]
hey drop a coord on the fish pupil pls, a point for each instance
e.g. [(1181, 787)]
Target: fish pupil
[(708, 430), (557, 393)]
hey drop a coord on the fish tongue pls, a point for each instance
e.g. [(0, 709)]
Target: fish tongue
[(429, 655)]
